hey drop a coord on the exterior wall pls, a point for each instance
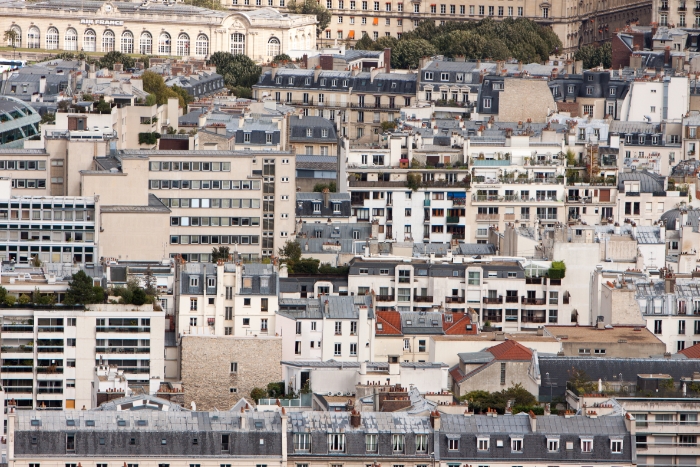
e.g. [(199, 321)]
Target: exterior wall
[(523, 100), (489, 379), (142, 240), (445, 349), (75, 364), (206, 368), (626, 349)]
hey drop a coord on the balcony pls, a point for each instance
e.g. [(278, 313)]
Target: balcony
[(50, 349), (49, 390), (50, 370), (459, 201), (454, 299), (50, 329), (663, 7), (534, 301), (17, 368), (6, 349), (385, 298), (533, 319), (452, 219), (19, 389), (123, 329), (489, 163), (493, 300), (533, 280), (122, 350), (457, 236), (17, 328), (426, 202), (487, 217), (511, 299), (509, 217), (423, 298)]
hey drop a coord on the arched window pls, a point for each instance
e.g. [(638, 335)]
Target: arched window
[(146, 43), (71, 40), (202, 45), (273, 47), (52, 38), (237, 43), (127, 42), (17, 39), (108, 41), (164, 43), (33, 38), (90, 41), (183, 45)]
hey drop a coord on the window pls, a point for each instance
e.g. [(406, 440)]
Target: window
[(371, 443), (336, 350), (474, 277), (453, 444), (193, 304), (233, 368), (397, 443), (421, 345), (487, 102), (586, 445), (336, 441), (353, 349), (482, 444), (302, 441), (503, 372), (516, 444), (421, 442), (616, 446), (70, 442), (553, 445), (338, 328)]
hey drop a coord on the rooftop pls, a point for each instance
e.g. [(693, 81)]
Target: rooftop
[(633, 335)]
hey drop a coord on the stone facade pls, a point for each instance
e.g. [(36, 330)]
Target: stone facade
[(523, 100), (207, 376)]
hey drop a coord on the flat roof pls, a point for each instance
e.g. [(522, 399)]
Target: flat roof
[(608, 335)]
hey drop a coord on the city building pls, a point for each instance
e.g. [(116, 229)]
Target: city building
[(606, 341), (156, 29), (50, 354), (18, 122)]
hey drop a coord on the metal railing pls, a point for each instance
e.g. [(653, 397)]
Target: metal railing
[(493, 300)]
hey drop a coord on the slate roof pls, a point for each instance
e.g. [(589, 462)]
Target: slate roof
[(672, 218), (648, 181), (327, 163), (418, 322), (339, 307), (299, 127)]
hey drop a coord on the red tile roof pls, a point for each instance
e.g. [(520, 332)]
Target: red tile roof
[(692, 352), (510, 350), (391, 323), (458, 326), (456, 374)]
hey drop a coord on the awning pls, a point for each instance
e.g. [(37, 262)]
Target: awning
[(456, 194), (376, 21), (351, 35)]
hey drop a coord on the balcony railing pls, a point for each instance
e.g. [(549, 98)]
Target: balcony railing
[(458, 236), (533, 301), (454, 299), (118, 350), (50, 370), (17, 328), (532, 319), (49, 390), (385, 298), (509, 217), (16, 369), (19, 349), (453, 219), (511, 299), (423, 298), (50, 329), (487, 217), (21, 389), (533, 280), (50, 349), (123, 329), (493, 300), (426, 202)]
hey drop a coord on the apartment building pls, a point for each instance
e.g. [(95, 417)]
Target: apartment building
[(315, 208), (327, 327), (50, 354), (357, 101), (508, 294), (226, 299), (681, 238), (357, 438), (643, 197)]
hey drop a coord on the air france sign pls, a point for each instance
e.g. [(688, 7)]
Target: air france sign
[(103, 22)]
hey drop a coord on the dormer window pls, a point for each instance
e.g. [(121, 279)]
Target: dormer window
[(516, 444), (616, 446), (587, 445), (641, 139), (397, 443), (307, 81), (336, 442), (290, 81), (278, 80), (323, 81), (459, 77), (613, 91), (428, 75), (444, 76), (309, 132), (317, 207), (553, 444), (324, 133), (482, 444)]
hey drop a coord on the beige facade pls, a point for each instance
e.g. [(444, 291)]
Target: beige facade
[(217, 371), (576, 23), (156, 29)]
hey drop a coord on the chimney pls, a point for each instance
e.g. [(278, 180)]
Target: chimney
[(667, 55), (202, 121), (435, 420), (373, 74), (669, 283), (119, 67), (578, 67), (355, 419), (375, 229), (244, 420), (326, 196), (317, 72), (42, 85), (533, 421), (387, 60), (326, 308)]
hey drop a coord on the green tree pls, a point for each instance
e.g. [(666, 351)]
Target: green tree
[(237, 70), (48, 118), (387, 126), (81, 291), (150, 282), (153, 83), (222, 253), (312, 7), (3, 294), (319, 187), (210, 4), (408, 53), (291, 251), (10, 300), (138, 297), (103, 106), (281, 58), (110, 58), (87, 97), (258, 393), (24, 299), (365, 43), (11, 37), (593, 56)]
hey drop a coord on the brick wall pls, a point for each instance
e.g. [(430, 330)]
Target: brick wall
[(206, 364)]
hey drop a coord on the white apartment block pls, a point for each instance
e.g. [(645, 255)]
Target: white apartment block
[(325, 328), (226, 299), (49, 355)]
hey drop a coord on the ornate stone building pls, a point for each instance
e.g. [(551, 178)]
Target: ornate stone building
[(149, 28)]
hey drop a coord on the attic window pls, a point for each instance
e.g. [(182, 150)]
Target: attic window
[(142, 422), (70, 422), (421, 320), (89, 422), (36, 422), (121, 422), (195, 441), (408, 321), (448, 318), (258, 425), (380, 326), (435, 323)]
